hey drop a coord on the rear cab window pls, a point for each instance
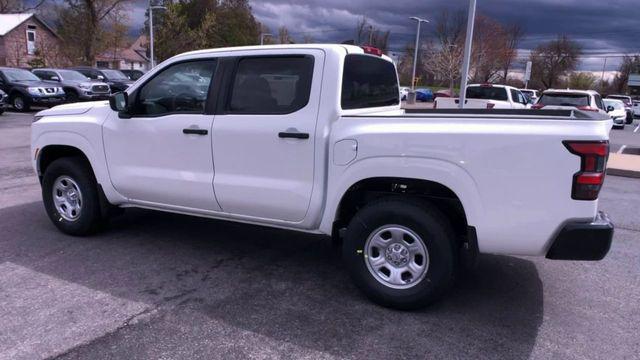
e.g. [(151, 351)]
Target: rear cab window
[(488, 93), (368, 81), (564, 99)]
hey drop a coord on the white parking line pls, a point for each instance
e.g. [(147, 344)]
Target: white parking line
[(637, 127), (621, 149)]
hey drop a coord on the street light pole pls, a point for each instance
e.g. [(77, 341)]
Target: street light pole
[(412, 97), (262, 36), (151, 57), (467, 53)]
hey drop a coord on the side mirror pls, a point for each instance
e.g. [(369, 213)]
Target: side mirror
[(609, 108), (119, 102), (55, 78)]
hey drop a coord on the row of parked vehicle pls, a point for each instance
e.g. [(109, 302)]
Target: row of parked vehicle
[(47, 87), (621, 108)]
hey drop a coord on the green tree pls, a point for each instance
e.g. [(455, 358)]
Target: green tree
[(581, 80)]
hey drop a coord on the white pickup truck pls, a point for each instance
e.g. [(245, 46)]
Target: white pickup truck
[(486, 96), (312, 138)]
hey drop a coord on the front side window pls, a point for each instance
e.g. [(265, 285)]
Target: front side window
[(368, 81), (180, 88), (271, 85), (599, 103)]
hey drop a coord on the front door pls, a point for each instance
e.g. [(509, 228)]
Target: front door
[(264, 137), (162, 154)]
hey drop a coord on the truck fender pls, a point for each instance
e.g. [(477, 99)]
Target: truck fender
[(453, 176), (96, 158)]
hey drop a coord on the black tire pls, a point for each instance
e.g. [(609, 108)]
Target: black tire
[(20, 102), (72, 96), (435, 232), (79, 170)]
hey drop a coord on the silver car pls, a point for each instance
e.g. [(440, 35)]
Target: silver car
[(77, 87)]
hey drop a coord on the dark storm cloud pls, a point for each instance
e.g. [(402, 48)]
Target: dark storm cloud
[(601, 27)]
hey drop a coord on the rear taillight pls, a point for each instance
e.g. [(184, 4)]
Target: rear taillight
[(587, 108), (490, 105), (537, 106), (593, 162)]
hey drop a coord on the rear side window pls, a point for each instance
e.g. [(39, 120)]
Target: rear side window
[(488, 93), (562, 99), (271, 85), (368, 81)]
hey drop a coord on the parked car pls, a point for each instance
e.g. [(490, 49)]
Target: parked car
[(3, 101), (404, 91), (628, 105), (636, 108), (615, 109), (412, 193), (424, 95), (531, 95), (587, 100), (486, 96), (116, 80), (75, 85), (132, 74), (443, 93), (25, 89)]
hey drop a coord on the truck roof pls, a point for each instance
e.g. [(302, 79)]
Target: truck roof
[(571, 91), (349, 49)]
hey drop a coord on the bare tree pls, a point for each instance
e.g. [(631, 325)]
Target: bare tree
[(514, 33), (81, 25), (283, 36), (18, 6), (445, 63), (554, 59)]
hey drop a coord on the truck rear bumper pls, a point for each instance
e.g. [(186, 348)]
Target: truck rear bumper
[(583, 241)]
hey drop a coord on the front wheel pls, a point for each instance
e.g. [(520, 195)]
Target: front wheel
[(20, 103), (400, 253), (70, 196)]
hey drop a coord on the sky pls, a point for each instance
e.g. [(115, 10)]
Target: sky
[(604, 28)]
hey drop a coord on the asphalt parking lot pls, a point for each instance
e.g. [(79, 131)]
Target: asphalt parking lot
[(165, 286)]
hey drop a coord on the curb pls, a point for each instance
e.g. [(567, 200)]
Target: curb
[(624, 165)]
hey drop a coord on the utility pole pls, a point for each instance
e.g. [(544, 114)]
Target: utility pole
[(602, 77), (370, 35), (151, 7), (467, 53), (411, 98), (262, 36)]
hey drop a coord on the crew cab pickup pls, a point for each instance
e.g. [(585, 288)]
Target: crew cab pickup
[(486, 96), (312, 138)]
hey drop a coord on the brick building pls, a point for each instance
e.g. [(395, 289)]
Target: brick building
[(132, 58), (25, 38)]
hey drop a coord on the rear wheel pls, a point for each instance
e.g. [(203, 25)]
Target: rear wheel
[(400, 253), (70, 196)]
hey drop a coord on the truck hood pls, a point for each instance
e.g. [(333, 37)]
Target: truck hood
[(72, 109)]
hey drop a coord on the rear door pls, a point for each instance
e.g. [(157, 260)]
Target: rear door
[(264, 135)]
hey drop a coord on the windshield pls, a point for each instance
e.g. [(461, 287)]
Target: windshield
[(114, 75), (617, 105), (19, 75), (527, 92), (487, 93), (561, 99), (72, 75)]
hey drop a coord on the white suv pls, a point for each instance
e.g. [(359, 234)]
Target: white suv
[(587, 100)]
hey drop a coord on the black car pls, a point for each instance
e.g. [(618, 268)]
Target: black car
[(3, 101), (25, 89), (116, 80), (133, 74)]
